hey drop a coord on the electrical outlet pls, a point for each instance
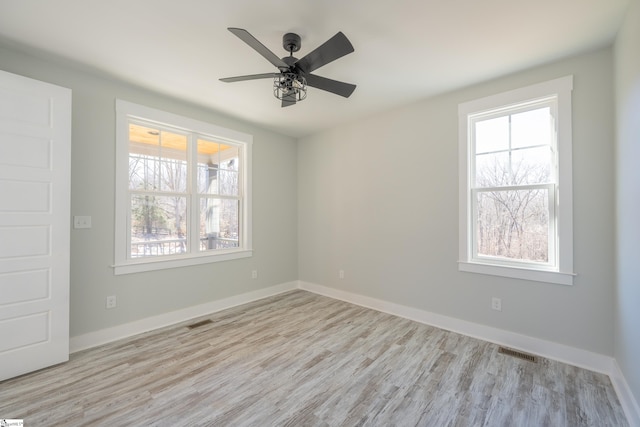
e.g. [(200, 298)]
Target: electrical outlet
[(111, 302), (254, 274), (81, 221), (496, 304), (341, 274)]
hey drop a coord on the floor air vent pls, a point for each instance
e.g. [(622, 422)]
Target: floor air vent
[(198, 324), (518, 354)]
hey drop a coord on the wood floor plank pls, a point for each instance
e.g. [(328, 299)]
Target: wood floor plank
[(299, 359)]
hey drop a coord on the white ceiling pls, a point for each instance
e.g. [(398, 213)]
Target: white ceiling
[(405, 50)]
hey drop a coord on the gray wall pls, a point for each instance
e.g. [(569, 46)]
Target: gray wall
[(379, 199), (92, 193), (627, 322)]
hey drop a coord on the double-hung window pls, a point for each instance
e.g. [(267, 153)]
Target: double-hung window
[(182, 191), (515, 183)]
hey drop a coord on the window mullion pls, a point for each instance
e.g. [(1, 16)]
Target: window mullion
[(157, 193), (240, 196), (553, 226), (473, 223), (510, 142), (514, 187), (193, 200)]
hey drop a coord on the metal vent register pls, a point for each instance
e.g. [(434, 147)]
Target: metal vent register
[(518, 354), (198, 324)]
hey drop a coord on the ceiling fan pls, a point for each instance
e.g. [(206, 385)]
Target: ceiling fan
[(290, 84)]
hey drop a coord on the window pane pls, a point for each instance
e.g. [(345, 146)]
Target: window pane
[(158, 225), (531, 165), (513, 224), (219, 223), (208, 165), (228, 182), (493, 170), (207, 179), (157, 159), (492, 135), (517, 167), (228, 157), (228, 174), (217, 168), (173, 174), (531, 128), (208, 152)]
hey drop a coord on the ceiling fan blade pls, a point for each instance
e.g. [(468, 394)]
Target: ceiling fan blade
[(333, 86), (288, 100), (334, 48), (259, 47), (249, 77)]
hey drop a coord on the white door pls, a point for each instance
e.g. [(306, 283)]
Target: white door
[(35, 148)]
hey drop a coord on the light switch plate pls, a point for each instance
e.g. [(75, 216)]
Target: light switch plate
[(81, 221)]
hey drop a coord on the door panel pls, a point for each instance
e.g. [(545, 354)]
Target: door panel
[(35, 147), (21, 196), (24, 286)]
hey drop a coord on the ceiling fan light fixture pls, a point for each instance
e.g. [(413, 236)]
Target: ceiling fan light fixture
[(290, 86)]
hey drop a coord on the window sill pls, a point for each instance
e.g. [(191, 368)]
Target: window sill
[(184, 261), (555, 277)]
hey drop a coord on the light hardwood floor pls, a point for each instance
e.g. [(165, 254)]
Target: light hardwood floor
[(299, 359)]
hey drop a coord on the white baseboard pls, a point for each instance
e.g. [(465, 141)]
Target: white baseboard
[(551, 350), (104, 336), (627, 400)]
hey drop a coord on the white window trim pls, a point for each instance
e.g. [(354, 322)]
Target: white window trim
[(126, 110), (563, 273)]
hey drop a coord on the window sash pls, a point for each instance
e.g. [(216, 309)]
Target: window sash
[(550, 102), (551, 264)]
